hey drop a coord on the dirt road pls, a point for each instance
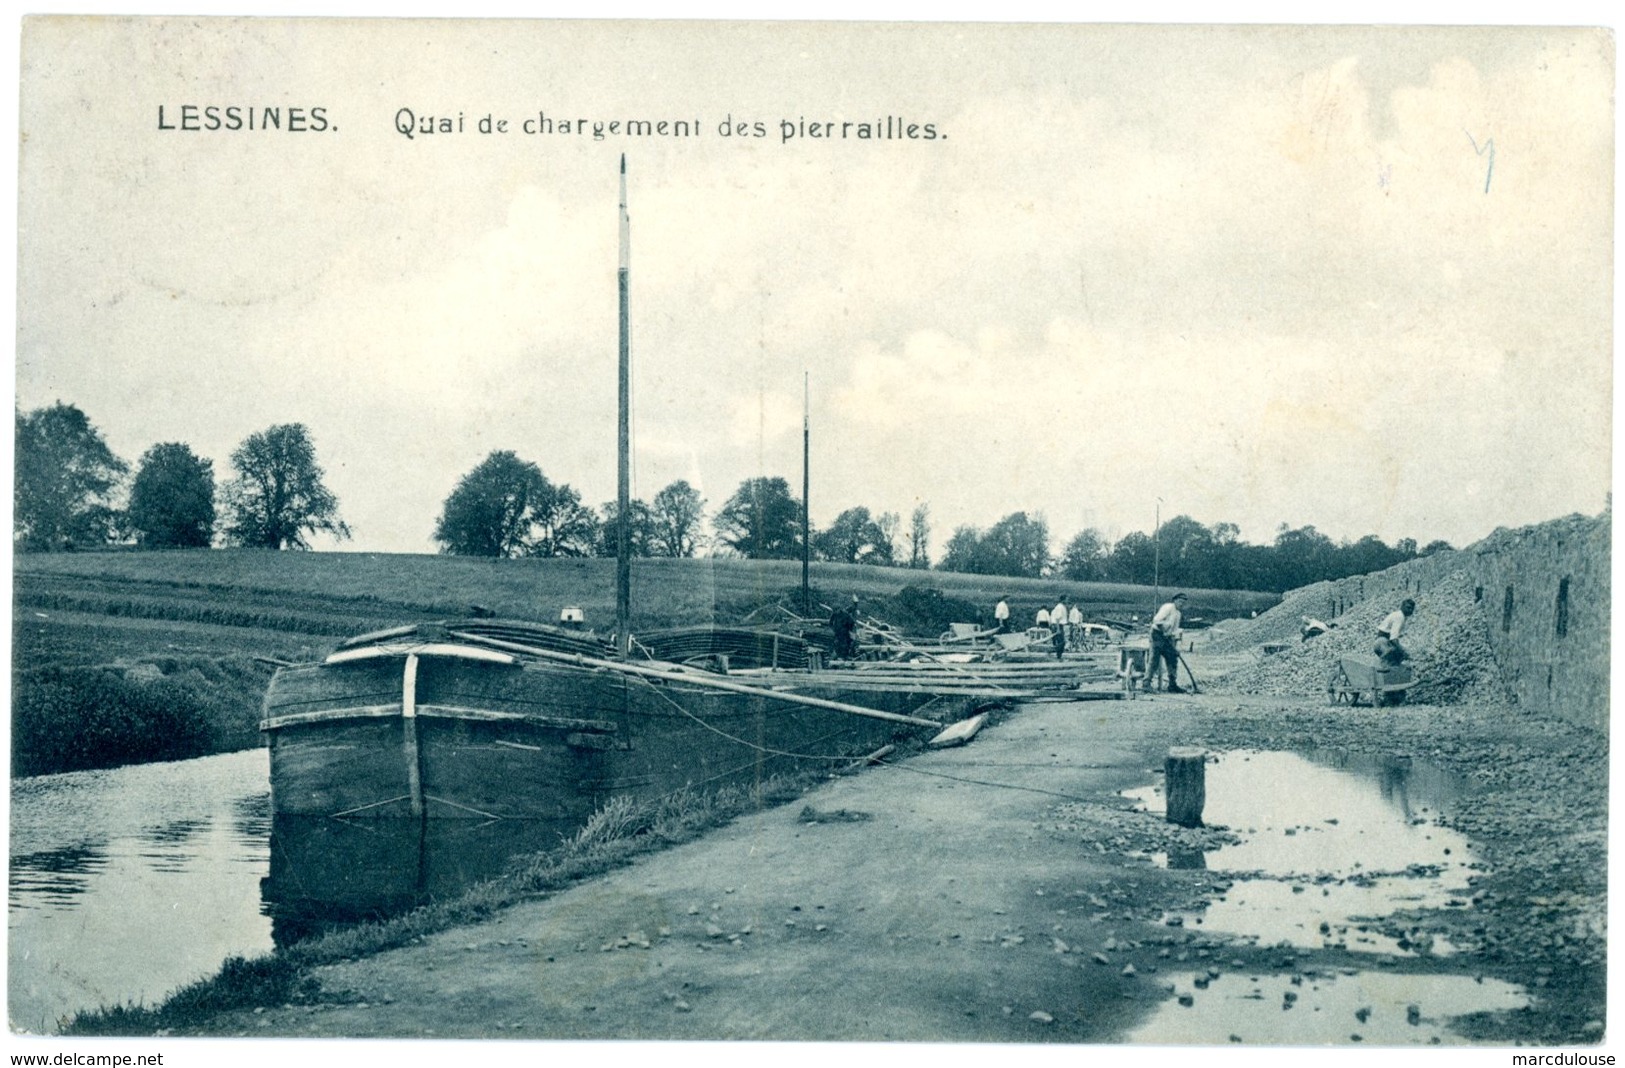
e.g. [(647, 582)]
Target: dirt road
[(1008, 891)]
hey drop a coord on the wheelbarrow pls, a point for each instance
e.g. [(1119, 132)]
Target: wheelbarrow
[(1133, 663), (1365, 678)]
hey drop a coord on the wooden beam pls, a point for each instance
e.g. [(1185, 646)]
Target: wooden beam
[(697, 679)]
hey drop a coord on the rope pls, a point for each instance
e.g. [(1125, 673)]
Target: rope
[(884, 763), (996, 764), (984, 782), (724, 734)]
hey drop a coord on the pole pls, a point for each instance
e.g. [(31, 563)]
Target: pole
[(806, 496), (1156, 561), (623, 475)]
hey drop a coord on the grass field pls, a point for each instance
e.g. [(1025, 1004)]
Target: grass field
[(335, 594)]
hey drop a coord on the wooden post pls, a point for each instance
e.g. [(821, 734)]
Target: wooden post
[(409, 736), (1185, 783)]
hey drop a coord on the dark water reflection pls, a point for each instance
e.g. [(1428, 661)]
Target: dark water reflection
[(328, 873)]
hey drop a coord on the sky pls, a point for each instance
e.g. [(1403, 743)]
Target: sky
[(1350, 278)]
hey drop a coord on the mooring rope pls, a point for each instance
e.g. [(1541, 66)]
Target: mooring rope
[(848, 758), (660, 691), (983, 782)]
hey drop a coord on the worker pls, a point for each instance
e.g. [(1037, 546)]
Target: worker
[(1057, 625), (843, 620), (1074, 626), (1001, 615), (1313, 628), (1042, 618), (1388, 649), (1165, 640)]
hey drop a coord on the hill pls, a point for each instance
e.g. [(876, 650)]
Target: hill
[(337, 594), (125, 656)]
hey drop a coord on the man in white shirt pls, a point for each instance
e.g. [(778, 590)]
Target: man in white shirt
[(1057, 622), (1165, 640), (1001, 615), (1074, 626), (1388, 649)]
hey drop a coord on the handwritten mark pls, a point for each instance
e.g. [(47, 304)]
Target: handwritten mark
[(1489, 150)]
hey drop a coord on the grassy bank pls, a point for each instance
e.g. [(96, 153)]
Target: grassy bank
[(66, 718)]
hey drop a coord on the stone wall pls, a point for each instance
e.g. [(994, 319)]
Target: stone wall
[(1545, 599), (1542, 594)]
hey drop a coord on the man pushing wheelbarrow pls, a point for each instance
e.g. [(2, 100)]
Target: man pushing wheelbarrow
[(1388, 649)]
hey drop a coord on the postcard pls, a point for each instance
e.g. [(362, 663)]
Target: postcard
[(858, 532)]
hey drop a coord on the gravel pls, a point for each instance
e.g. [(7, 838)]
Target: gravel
[(1451, 658)]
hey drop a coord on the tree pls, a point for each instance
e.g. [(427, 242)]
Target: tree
[(1363, 557), (1084, 559), (1302, 556), (1132, 559), (1017, 545), (66, 475), (172, 498), (562, 525), (278, 496), (1185, 553), (962, 551), (640, 529), (1438, 545), (489, 512), (855, 537), (919, 537), (762, 520), (889, 524), (507, 507), (675, 520)]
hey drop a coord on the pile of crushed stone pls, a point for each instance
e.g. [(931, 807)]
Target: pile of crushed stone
[(1280, 624), (1451, 659)]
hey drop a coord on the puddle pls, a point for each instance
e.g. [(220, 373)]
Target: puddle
[(1276, 912), (1297, 815), (1380, 1008), (1328, 843), (1329, 846)]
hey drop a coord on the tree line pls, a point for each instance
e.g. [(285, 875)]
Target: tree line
[(68, 482)]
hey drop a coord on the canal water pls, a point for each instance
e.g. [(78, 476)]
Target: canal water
[(129, 883)]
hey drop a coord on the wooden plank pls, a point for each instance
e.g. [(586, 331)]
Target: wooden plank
[(858, 765), (326, 715), (533, 718), (960, 732)]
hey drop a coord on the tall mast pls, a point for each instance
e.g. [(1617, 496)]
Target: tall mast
[(806, 496), (623, 541)]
